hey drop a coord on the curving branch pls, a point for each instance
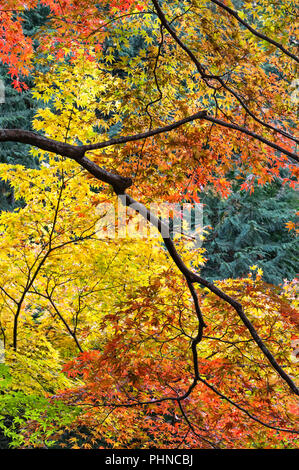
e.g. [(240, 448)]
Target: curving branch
[(180, 399), (191, 427), (77, 153), (120, 184), (66, 150), (192, 277)]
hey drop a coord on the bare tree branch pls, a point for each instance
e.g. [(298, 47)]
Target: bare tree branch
[(206, 76)]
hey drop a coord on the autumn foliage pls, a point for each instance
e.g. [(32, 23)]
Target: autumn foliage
[(119, 341)]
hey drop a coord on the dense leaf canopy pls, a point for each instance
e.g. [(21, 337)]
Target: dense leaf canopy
[(119, 341)]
